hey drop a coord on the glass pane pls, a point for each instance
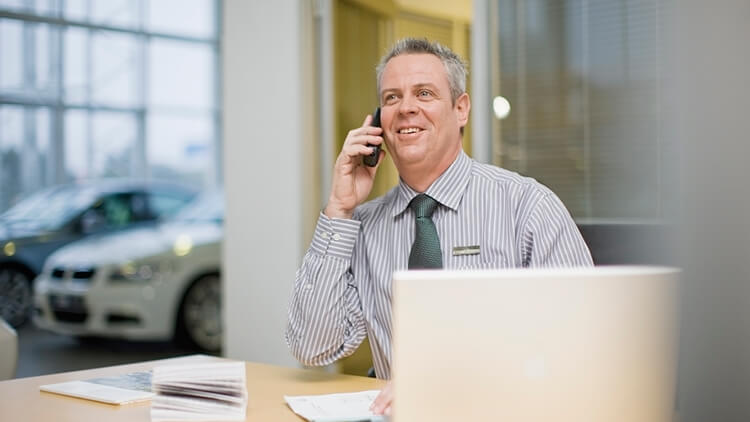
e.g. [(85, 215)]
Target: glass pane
[(113, 148), (76, 141), (76, 75), (115, 69), (163, 204), (584, 81), (11, 140), (15, 5), (181, 74), (115, 209), (11, 55), (115, 12), (47, 7), (183, 17), (76, 10), (45, 72), (37, 161), (181, 148)]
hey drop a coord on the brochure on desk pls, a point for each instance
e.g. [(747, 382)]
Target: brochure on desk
[(128, 388)]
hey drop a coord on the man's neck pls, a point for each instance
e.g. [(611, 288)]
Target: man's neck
[(422, 178)]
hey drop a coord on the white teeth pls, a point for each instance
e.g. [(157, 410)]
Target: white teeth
[(409, 130)]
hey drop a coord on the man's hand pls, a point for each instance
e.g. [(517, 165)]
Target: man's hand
[(382, 403), (352, 180)]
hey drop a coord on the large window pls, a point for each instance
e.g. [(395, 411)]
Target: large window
[(583, 78), (107, 88)]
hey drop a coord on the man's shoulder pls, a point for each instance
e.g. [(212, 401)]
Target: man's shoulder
[(507, 180), (377, 206)]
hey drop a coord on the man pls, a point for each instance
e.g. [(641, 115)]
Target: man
[(479, 216)]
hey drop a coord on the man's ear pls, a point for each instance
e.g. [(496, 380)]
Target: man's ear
[(462, 108)]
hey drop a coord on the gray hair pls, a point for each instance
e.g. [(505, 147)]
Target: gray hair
[(455, 68)]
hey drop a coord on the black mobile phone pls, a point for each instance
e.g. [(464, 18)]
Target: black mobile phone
[(372, 159)]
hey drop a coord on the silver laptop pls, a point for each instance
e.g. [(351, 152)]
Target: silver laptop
[(590, 344)]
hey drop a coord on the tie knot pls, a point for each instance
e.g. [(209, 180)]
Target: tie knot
[(423, 205)]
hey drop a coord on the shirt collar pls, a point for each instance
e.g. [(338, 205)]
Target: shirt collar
[(448, 188)]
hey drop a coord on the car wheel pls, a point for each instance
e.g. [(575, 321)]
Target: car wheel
[(199, 320), (15, 296)]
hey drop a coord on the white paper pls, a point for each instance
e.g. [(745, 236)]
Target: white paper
[(199, 392), (97, 392), (335, 407)]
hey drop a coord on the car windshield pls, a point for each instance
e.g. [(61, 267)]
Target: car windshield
[(207, 207), (51, 208)]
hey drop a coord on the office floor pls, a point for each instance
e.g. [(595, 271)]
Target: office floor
[(41, 352)]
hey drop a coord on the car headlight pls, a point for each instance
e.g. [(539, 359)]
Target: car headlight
[(138, 272), (9, 248), (182, 245)]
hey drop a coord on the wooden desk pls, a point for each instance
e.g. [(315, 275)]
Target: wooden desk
[(21, 400)]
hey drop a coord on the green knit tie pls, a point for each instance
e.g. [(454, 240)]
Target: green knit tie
[(425, 252)]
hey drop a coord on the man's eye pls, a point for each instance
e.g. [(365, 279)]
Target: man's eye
[(424, 93), (391, 98)]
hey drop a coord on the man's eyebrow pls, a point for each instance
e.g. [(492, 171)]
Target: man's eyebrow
[(415, 86)]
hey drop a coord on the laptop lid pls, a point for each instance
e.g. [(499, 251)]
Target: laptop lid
[(589, 344)]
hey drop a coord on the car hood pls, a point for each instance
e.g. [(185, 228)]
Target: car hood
[(11, 230), (136, 243)]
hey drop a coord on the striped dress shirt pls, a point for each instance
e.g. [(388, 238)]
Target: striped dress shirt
[(342, 291)]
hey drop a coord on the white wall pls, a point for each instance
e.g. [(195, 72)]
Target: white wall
[(266, 90), (708, 96)]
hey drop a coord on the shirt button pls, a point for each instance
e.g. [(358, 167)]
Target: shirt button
[(325, 235), (308, 286), (336, 236)]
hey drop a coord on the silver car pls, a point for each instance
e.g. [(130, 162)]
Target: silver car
[(149, 283), (37, 226)]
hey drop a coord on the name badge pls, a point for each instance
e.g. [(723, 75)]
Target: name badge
[(465, 250)]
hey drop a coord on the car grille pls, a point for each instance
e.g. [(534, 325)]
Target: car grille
[(67, 308), (74, 317), (83, 274), (79, 274)]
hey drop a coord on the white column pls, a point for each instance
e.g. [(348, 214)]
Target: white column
[(266, 138), (481, 89)]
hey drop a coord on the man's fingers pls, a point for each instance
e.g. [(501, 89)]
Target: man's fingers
[(368, 120), (383, 401), (357, 150), (355, 135)]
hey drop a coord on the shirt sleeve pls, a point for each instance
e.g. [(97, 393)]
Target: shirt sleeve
[(551, 237), (325, 313)]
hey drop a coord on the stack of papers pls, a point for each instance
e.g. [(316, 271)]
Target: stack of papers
[(197, 392), (339, 407)]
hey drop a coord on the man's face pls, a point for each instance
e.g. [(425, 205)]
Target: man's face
[(420, 123)]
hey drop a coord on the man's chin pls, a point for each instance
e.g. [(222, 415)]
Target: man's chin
[(410, 157)]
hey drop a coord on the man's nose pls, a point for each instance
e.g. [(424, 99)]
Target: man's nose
[(408, 105)]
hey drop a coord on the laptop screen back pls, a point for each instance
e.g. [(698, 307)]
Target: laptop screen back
[(590, 344)]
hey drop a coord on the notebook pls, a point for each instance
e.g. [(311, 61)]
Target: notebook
[(121, 389), (589, 344)]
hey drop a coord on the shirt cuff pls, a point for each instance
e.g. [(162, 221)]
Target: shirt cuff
[(335, 237)]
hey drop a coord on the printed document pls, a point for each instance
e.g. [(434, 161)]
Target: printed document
[(335, 407)]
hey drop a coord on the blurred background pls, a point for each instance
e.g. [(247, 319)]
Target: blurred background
[(163, 162)]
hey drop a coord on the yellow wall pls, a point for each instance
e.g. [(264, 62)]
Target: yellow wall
[(363, 31)]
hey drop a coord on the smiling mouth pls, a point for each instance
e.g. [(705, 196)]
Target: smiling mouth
[(408, 130)]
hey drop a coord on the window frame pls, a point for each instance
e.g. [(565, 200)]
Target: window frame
[(57, 105)]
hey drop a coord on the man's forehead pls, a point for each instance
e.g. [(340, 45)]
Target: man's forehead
[(416, 69)]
